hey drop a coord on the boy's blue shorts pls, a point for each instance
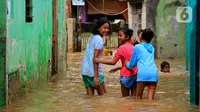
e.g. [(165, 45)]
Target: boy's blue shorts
[(129, 81)]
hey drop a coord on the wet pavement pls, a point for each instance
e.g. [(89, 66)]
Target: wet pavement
[(66, 93)]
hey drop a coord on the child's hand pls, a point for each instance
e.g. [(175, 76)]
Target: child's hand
[(112, 71), (96, 81), (96, 60)]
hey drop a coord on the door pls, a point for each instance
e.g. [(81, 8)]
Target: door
[(54, 37), (197, 54)]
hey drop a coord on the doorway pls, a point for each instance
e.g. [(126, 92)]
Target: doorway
[(54, 37)]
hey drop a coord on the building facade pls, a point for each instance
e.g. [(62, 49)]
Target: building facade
[(35, 44), (160, 16)]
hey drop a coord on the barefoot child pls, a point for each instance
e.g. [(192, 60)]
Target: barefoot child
[(92, 74), (143, 58), (127, 77)]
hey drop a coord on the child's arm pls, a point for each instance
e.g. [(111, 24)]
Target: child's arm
[(118, 56), (108, 62), (98, 46), (96, 71), (113, 70), (133, 61)]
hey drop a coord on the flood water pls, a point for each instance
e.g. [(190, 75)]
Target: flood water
[(66, 93)]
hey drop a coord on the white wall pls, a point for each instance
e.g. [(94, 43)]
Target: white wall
[(144, 14), (70, 30)]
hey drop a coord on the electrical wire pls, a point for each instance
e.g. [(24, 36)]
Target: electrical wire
[(104, 12)]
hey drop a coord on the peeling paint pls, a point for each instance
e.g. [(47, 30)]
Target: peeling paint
[(30, 46), (168, 31), (2, 50)]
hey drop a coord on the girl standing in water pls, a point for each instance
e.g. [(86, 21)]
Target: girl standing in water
[(127, 77), (92, 74), (143, 58)]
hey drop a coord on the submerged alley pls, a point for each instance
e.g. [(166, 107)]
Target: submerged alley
[(42, 43), (66, 93)]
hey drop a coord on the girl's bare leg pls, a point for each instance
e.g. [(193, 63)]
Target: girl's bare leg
[(104, 88), (90, 91), (124, 90), (140, 89), (151, 90), (133, 91), (101, 89)]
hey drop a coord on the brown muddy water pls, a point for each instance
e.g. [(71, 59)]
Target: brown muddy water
[(67, 93)]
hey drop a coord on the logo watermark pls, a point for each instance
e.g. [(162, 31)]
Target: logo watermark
[(184, 14)]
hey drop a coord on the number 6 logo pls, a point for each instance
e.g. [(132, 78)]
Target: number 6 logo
[(184, 14)]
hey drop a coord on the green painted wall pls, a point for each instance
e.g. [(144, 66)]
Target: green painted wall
[(2, 50), (29, 45), (62, 36), (168, 31)]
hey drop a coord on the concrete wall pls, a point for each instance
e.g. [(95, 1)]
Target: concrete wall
[(144, 14), (151, 7), (134, 20), (62, 37), (130, 16), (2, 50), (71, 24), (29, 45), (160, 16), (170, 35)]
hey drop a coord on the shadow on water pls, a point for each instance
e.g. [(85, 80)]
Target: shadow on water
[(66, 93)]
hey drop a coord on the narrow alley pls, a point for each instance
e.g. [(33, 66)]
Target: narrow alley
[(66, 93), (42, 44)]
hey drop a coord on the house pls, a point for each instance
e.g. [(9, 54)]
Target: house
[(160, 16), (33, 44), (110, 8), (87, 14)]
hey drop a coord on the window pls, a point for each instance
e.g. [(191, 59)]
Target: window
[(29, 9)]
